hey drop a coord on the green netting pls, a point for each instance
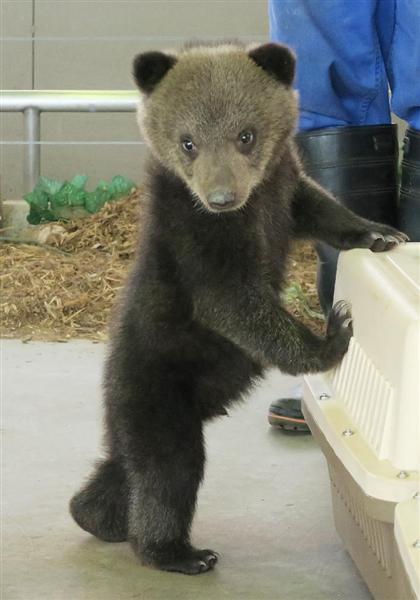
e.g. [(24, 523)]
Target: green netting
[(50, 197)]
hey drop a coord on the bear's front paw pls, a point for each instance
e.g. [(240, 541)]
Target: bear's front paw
[(382, 238), (339, 332)]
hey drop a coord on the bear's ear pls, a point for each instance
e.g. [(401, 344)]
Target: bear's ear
[(149, 68), (277, 60)]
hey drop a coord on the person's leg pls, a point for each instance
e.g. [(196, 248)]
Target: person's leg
[(345, 136), (359, 165), (409, 207), (402, 61), (342, 81)]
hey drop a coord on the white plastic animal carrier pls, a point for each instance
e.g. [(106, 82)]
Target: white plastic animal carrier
[(365, 414)]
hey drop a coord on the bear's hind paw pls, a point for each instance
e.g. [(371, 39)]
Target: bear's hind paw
[(194, 563)]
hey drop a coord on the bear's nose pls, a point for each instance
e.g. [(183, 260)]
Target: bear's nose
[(221, 198)]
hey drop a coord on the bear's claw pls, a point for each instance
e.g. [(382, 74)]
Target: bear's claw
[(196, 562), (385, 239), (340, 320)]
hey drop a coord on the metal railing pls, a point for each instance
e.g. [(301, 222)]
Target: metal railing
[(32, 103)]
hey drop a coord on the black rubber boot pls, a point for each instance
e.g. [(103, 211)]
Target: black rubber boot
[(409, 208), (359, 165)]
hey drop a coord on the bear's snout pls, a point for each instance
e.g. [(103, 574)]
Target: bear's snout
[(221, 199)]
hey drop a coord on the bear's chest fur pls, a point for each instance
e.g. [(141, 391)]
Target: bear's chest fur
[(228, 249)]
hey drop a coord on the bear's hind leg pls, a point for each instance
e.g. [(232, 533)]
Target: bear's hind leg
[(163, 491), (101, 506)]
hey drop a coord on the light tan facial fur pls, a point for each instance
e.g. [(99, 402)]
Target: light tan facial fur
[(210, 96)]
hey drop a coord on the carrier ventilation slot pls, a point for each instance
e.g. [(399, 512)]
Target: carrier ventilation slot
[(367, 396), (374, 532)]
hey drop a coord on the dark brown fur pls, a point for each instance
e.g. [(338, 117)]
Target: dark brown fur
[(201, 317)]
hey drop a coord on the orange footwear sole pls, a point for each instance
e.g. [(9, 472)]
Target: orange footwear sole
[(288, 423)]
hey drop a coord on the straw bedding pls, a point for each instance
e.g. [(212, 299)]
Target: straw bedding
[(63, 285)]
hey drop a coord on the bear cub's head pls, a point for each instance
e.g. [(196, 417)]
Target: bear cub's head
[(218, 116)]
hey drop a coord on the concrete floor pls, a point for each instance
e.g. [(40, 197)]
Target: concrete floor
[(264, 506)]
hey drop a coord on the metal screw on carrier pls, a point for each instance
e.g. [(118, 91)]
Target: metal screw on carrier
[(416, 544), (348, 432), (324, 396), (403, 475)]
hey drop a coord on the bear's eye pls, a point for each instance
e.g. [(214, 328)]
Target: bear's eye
[(246, 137), (188, 145), (245, 141)]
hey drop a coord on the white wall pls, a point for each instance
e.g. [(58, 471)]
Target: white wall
[(89, 44)]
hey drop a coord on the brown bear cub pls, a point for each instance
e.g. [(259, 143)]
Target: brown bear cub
[(201, 318)]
